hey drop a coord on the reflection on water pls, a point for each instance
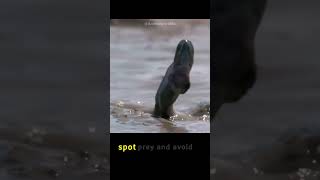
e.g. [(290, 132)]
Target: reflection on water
[(139, 57)]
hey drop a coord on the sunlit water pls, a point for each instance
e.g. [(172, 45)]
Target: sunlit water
[(139, 58)]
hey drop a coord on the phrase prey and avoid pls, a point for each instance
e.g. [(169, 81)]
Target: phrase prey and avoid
[(134, 147)]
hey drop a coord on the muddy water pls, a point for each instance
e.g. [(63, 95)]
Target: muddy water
[(139, 57)]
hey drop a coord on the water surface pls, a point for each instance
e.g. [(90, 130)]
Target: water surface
[(139, 57)]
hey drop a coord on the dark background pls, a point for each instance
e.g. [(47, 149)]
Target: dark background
[(285, 98), (54, 68), (54, 74), (162, 164), (165, 9), (286, 93)]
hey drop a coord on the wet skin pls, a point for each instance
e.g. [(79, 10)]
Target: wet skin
[(175, 82)]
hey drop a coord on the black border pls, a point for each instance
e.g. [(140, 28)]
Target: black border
[(182, 164), (161, 9)]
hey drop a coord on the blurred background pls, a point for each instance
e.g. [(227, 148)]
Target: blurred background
[(286, 95), (53, 89)]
